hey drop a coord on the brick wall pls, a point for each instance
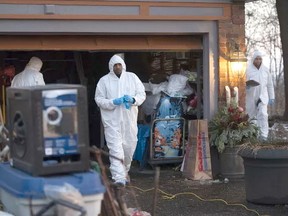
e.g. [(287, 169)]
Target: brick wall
[(231, 32)]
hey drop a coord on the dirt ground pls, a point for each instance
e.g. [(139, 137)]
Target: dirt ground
[(178, 196)]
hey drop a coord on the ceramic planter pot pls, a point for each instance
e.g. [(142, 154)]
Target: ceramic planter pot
[(266, 175), (231, 164)]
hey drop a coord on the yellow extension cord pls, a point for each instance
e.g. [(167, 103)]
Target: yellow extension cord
[(172, 196)]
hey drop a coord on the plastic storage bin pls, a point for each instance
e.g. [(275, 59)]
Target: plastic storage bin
[(20, 190)]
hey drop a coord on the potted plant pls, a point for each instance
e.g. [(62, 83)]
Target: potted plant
[(266, 168), (229, 128)]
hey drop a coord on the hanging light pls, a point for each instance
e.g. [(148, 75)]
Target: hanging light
[(237, 61)]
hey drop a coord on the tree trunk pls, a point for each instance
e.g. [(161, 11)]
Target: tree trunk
[(282, 6)]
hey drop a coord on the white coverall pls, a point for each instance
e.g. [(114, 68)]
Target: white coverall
[(30, 76), (120, 124), (264, 92)]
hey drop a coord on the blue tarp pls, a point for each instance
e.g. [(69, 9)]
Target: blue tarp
[(143, 138)]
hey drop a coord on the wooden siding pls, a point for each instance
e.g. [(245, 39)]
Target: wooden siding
[(144, 10)]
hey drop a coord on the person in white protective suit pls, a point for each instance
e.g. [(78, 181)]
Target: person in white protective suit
[(31, 75), (259, 96), (118, 94)]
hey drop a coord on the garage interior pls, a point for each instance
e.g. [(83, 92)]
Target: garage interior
[(82, 66)]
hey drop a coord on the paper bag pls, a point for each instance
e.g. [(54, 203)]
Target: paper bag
[(197, 160)]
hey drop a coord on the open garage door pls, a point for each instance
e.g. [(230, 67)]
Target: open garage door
[(97, 42)]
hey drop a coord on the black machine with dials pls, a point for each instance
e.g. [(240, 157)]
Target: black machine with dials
[(48, 127)]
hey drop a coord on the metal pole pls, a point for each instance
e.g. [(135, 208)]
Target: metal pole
[(157, 175)]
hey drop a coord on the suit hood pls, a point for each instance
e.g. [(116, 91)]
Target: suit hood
[(116, 60)]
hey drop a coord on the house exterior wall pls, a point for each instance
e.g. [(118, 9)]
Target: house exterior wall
[(217, 21), (232, 31)]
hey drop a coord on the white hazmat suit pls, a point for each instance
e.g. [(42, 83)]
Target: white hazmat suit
[(31, 75), (257, 109), (120, 123)]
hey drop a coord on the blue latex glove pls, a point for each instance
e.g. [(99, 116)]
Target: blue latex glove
[(271, 101), (129, 99), (127, 105), (118, 101)]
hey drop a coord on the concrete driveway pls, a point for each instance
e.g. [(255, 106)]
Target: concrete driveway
[(192, 197)]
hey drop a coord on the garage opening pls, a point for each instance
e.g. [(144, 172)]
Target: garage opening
[(153, 66)]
